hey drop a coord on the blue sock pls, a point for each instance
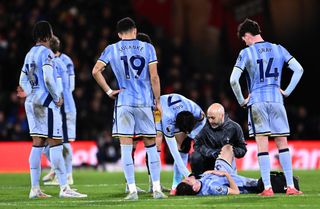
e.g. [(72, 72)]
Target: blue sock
[(57, 163), (264, 163), (184, 157), (35, 165), (46, 152), (68, 158), (286, 164), (154, 162), (177, 175), (127, 162)]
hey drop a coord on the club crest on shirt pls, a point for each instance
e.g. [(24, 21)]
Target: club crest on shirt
[(219, 189), (168, 128)]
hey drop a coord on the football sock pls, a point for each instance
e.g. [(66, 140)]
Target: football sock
[(154, 166), (46, 152), (35, 165), (58, 164), (68, 158), (264, 163), (127, 163), (286, 164), (132, 153), (150, 180), (177, 175), (184, 157)]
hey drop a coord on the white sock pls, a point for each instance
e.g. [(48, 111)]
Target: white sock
[(132, 187), (156, 186)]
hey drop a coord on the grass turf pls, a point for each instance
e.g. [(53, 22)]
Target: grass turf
[(106, 190)]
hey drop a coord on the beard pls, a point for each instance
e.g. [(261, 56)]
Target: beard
[(216, 125)]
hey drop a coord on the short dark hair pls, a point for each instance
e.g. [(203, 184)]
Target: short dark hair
[(248, 26), (185, 121), (55, 44), (144, 37), (42, 31), (184, 189), (125, 25)]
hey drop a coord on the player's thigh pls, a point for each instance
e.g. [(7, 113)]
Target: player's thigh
[(223, 165), (258, 119), (279, 121), (144, 122), (123, 122)]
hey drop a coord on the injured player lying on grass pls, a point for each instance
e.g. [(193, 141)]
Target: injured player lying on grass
[(223, 180)]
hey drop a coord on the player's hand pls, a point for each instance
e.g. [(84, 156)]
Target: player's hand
[(208, 172), (114, 94), (60, 102), (20, 92), (217, 172), (245, 102), (283, 93), (157, 107)]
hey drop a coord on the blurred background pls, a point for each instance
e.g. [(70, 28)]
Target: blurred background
[(196, 45)]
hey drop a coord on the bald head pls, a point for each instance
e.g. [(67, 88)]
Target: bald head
[(216, 108), (215, 115)]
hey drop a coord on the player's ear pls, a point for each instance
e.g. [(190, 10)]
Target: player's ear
[(120, 35)]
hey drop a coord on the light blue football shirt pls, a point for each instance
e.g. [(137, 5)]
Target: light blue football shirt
[(172, 105), (129, 60), (68, 62), (68, 68), (263, 63), (36, 58), (212, 184), (61, 68)]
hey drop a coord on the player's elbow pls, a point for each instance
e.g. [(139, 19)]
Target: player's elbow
[(301, 71), (95, 71), (47, 81), (233, 81), (235, 191)]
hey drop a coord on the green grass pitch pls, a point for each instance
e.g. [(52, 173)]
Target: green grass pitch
[(106, 190)]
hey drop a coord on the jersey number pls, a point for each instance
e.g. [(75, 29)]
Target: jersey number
[(170, 102), (268, 74), (33, 79), (137, 63)]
